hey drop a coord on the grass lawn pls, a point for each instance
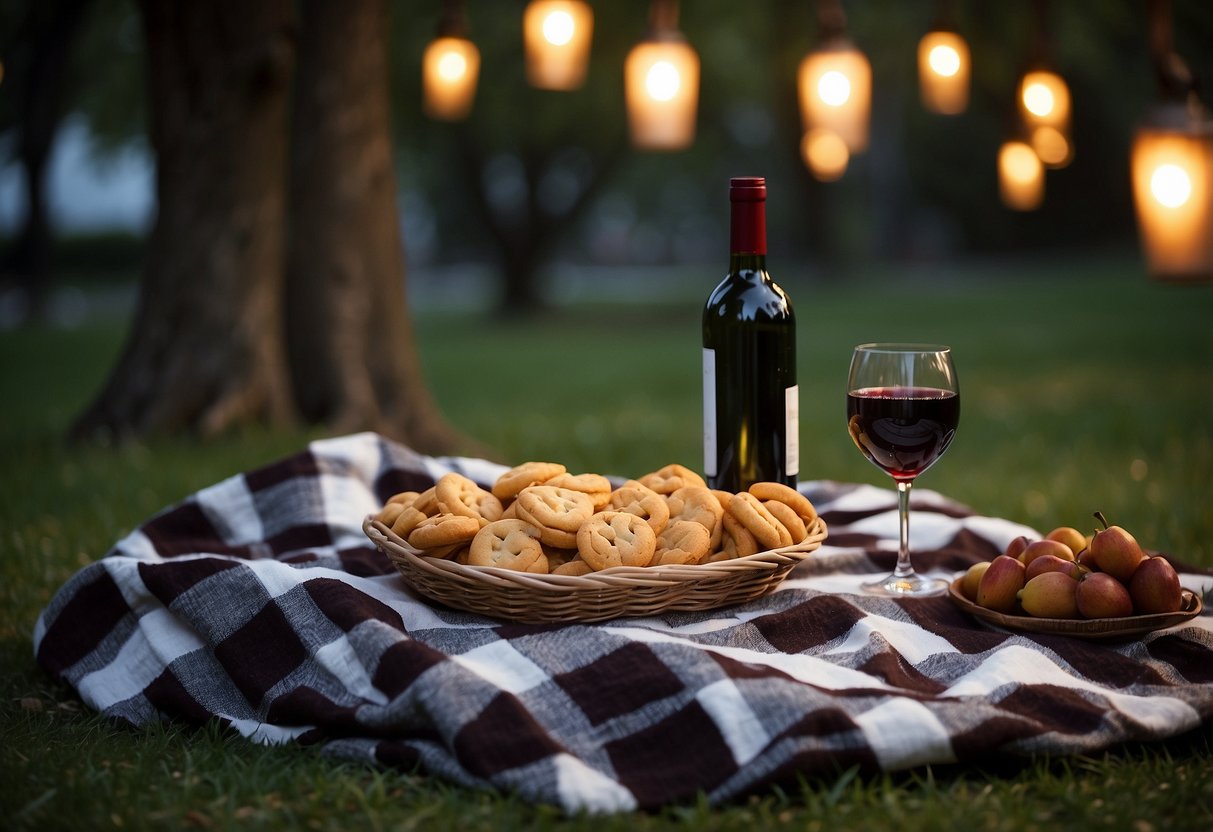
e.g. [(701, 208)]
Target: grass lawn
[(1084, 387)]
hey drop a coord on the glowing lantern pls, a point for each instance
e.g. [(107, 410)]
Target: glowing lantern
[(557, 36), (1172, 171), (661, 85), (1021, 176), (825, 154), (450, 68), (943, 72), (1053, 146), (1044, 107), (1172, 167), (835, 84)]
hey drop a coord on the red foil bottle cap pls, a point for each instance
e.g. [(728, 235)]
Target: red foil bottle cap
[(748, 223), (748, 189)]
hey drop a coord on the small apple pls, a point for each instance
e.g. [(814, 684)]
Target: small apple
[(1070, 536), (999, 585), (1099, 595), (1052, 563), (1040, 548), (1050, 595), (972, 577), (1016, 546), (1115, 551), (1155, 587)]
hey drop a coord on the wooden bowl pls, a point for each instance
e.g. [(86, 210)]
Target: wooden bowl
[(1095, 629)]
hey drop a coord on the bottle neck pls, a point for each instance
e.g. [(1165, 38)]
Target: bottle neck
[(752, 265), (748, 231)]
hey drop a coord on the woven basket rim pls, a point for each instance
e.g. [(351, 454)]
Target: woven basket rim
[(675, 577)]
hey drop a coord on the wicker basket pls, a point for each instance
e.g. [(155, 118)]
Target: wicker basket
[(618, 592)]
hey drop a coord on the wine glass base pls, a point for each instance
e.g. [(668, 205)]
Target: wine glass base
[(906, 586)]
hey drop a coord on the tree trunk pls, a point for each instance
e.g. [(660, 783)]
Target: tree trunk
[(350, 341), (206, 348)]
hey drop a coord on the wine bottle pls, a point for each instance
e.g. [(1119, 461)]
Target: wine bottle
[(751, 402)]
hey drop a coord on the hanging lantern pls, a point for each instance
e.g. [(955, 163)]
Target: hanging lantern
[(1171, 165), (661, 84), (557, 36), (944, 67), (1053, 146), (1172, 172), (1044, 109), (1021, 176), (825, 154), (835, 84), (450, 68)]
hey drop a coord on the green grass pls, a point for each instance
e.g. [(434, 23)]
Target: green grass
[(1084, 387)]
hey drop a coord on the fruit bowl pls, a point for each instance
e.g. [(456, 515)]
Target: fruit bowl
[(1095, 629)]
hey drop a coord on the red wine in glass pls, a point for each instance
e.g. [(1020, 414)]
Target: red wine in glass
[(903, 406), (902, 430)]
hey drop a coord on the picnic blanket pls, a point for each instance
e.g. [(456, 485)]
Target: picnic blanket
[(259, 602)]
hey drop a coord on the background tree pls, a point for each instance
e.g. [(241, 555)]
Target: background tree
[(36, 65), (274, 281), (208, 349), (349, 337), (512, 183)]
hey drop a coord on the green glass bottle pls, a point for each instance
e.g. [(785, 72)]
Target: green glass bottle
[(751, 401)]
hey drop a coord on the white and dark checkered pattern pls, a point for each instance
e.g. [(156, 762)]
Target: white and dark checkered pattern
[(259, 602)]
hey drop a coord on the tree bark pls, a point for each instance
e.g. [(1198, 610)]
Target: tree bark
[(350, 340), (206, 350)]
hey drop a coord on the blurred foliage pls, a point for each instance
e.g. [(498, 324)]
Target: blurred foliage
[(105, 76), (98, 257), (926, 188)]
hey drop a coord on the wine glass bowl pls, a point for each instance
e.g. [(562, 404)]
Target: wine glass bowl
[(903, 407)]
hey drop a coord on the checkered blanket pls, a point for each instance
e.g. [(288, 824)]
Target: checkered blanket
[(259, 602)]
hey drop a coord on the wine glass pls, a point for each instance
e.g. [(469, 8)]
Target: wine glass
[(903, 405)]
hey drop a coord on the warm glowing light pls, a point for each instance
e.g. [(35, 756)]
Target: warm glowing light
[(558, 27), (1038, 99), (1044, 107), (1021, 176), (943, 72), (834, 88), (1052, 146), (1170, 185), (1044, 100), (1172, 171), (835, 91), (1173, 195), (944, 60), (452, 66), (449, 70), (825, 154), (1020, 162), (662, 81), (661, 85), (557, 35)]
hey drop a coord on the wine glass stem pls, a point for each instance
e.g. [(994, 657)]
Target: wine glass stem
[(904, 569)]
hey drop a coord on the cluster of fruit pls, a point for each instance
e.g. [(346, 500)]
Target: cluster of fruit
[(1070, 575)]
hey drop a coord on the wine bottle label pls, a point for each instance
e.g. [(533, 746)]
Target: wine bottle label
[(791, 410), (709, 412)]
